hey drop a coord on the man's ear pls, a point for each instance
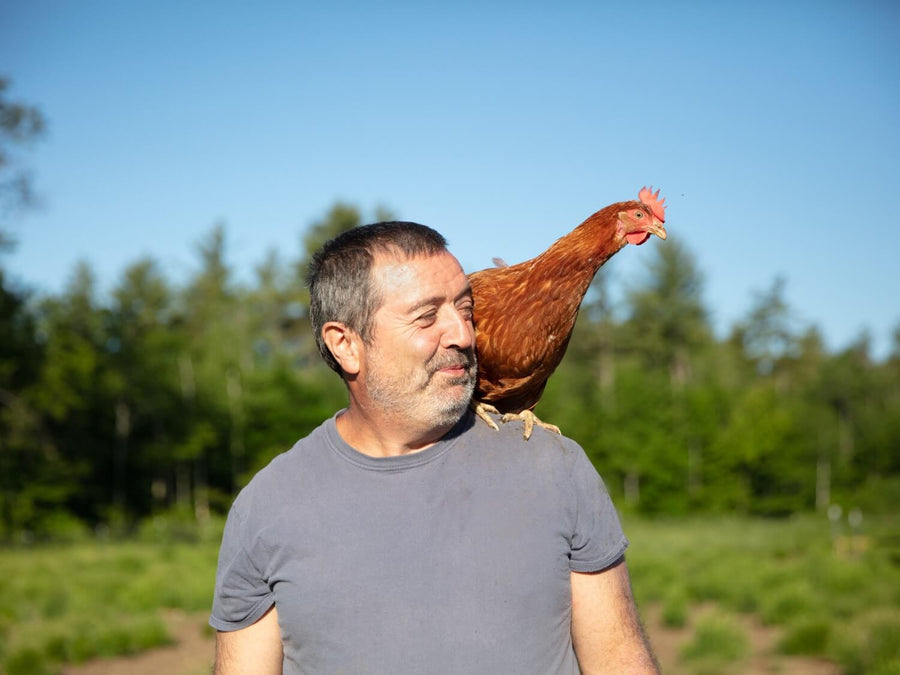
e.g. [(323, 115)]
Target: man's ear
[(344, 344)]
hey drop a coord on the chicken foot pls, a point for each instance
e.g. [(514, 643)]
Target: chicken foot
[(528, 418), (482, 410)]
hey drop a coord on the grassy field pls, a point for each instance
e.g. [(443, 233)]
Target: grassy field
[(74, 602), (824, 594), (827, 594)]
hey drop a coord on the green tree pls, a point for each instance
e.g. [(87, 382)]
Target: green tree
[(667, 330), (766, 334), (752, 464), (20, 125), (667, 319), (144, 386), (68, 470), (278, 316), (848, 387), (23, 440), (217, 354)]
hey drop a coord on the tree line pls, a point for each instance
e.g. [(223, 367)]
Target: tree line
[(157, 398)]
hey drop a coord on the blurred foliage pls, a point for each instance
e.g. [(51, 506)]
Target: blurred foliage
[(764, 422), (68, 604), (154, 398), (20, 125), (718, 578)]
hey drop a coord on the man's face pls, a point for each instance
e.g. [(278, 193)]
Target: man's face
[(421, 359)]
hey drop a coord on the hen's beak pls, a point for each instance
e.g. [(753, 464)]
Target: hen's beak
[(657, 228)]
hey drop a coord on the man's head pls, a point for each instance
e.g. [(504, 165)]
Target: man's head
[(341, 287), (392, 311)]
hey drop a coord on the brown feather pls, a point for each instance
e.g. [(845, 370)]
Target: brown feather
[(525, 313)]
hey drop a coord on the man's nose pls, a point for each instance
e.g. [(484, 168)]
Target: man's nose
[(458, 331)]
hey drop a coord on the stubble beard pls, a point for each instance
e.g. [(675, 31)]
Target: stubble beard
[(437, 402), (451, 405)]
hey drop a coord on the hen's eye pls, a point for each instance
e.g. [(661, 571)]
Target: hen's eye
[(639, 214)]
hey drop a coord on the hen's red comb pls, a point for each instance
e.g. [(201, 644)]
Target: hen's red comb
[(651, 200)]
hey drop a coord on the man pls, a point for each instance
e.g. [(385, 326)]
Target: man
[(402, 536)]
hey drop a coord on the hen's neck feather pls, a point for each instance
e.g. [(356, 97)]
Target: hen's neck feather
[(574, 259)]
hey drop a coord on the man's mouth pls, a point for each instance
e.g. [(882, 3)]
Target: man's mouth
[(454, 366), (460, 370)]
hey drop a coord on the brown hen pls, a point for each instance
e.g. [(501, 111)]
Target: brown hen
[(525, 313)]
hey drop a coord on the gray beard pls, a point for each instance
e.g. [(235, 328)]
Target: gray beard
[(440, 408), (452, 409)]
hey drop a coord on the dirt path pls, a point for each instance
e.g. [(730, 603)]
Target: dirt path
[(192, 654)]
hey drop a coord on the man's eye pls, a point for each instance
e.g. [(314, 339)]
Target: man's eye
[(427, 318)]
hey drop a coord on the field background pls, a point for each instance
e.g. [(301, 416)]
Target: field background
[(758, 469), (758, 474), (719, 595)]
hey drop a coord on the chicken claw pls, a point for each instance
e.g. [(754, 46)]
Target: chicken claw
[(529, 419), (482, 410)]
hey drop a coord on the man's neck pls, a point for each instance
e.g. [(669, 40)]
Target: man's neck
[(383, 435)]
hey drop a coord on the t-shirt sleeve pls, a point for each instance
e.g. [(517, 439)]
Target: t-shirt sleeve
[(242, 595), (598, 540)]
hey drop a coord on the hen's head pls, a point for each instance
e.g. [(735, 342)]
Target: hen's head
[(643, 218)]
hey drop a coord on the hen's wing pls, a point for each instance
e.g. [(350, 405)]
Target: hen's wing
[(519, 343)]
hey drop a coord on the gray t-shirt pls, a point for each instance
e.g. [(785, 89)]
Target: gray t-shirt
[(455, 559)]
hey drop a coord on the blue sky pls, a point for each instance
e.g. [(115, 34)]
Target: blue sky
[(772, 128)]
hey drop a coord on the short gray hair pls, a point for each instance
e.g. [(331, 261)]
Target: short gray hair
[(340, 282)]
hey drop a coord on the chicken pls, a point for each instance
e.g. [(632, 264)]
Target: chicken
[(525, 313)]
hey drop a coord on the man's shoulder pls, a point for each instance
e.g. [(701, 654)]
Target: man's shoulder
[(543, 445), (286, 465), (283, 484)]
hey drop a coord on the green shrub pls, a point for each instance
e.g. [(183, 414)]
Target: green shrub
[(734, 584), (178, 525), (675, 609), (5, 630), (657, 576), (55, 603), (62, 527), (808, 636), (870, 643), (28, 661), (130, 636), (788, 602), (718, 639), (72, 603), (883, 641)]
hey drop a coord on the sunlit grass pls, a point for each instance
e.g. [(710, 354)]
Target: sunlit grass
[(826, 599), (718, 640), (70, 603)]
